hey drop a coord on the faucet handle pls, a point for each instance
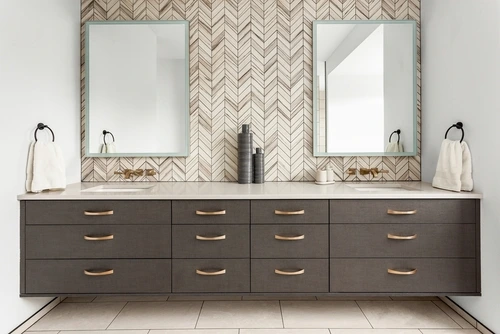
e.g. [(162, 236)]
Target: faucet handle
[(351, 171), (150, 172)]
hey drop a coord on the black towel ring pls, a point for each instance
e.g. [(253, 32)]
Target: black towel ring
[(104, 132), (42, 126), (398, 132), (459, 126)]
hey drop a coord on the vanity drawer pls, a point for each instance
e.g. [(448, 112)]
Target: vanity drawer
[(383, 240), (68, 276), (211, 212), (304, 275), (435, 211), (431, 276), (210, 241), (211, 275), (78, 241), (290, 241), (290, 211), (98, 212)]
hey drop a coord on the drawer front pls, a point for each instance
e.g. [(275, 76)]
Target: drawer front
[(210, 241), (78, 241), (313, 279), (431, 276), (290, 212), (289, 241), (432, 211), (98, 212), (226, 275), (384, 240), (67, 276), (211, 212)]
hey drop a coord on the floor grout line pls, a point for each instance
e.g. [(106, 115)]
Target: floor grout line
[(126, 303), (364, 313), (433, 302), (281, 311), (199, 314)]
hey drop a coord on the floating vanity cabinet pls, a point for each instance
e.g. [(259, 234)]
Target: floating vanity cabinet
[(404, 246), (89, 247)]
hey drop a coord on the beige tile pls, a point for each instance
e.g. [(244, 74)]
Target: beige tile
[(144, 331), (449, 331), (452, 314), (460, 312), (240, 314), (105, 299), (157, 315), (323, 314), (78, 299), (30, 332), (483, 329), (194, 331), (375, 331), (279, 297), (406, 314), (79, 316), (416, 298), (353, 298), (188, 297), (284, 331)]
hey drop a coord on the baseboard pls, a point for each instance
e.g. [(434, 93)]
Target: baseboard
[(464, 314), (37, 316)]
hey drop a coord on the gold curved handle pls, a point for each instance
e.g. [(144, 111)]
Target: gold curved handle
[(289, 213), (219, 237), (100, 238), (289, 238), (98, 272), (401, 237), (210, 213), (215, 272), (287, 272), (402, 272), (397, 212), (98, 213)]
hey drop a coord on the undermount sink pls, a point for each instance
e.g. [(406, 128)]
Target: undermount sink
[(117, 188), (379, 187)]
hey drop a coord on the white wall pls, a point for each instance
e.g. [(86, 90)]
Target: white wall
[(461, 82), (39, 82)]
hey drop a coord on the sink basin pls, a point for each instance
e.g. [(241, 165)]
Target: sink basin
[(117, 188), (379, 187)]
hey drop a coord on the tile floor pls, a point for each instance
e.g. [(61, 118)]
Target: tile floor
[(252, 315)]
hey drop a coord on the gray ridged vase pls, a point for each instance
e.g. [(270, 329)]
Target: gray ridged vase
[(258, 166), (245, 150)]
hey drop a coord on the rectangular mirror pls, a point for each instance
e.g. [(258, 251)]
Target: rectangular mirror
[(365, 88), (137, 89)]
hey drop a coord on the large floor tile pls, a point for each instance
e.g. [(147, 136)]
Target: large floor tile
[(323, 314), (198, 297), (240, 314), (406, 314), (78, 300), (279, 297), (450, 331), (414, 298), (194, 331), (375, 331), (105, 299), (336, 298), (51, 332), (79, 316), (452, 314), (284, 331), (143, 331), (157, 315)]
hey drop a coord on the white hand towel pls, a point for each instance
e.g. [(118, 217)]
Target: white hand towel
[(103, 148), (29, 167), (466, 176), (394, 147), (449, 166), (110, 148), (49, 171)]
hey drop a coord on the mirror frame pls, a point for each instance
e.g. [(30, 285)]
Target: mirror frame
[(186, 150), (315, 90)]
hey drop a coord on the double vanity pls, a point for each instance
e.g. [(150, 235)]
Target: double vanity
[(213, 238)]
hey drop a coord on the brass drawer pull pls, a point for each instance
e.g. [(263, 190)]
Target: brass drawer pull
[(289, 213), (98, 272), (396, 212), (288, 272), (210, 213), (219, 237), (98, 213), (211, 272), (297, 237), (401, 237), (401, 272), (101, 238)]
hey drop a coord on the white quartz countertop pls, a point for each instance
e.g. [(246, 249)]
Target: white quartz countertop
[(233, 190)]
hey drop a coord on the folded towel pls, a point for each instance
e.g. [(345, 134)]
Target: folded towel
[(449, 166), (466, 176), (103, 149), (394, 147), (48, 167), (29, 167), (110, 148)]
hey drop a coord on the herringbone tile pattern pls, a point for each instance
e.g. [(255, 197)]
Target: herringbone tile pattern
[(250, 62)]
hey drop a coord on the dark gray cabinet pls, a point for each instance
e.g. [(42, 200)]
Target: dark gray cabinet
[(352, 246)]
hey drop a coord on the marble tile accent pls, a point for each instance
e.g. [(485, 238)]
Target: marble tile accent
[(190, 297), (157, 315), (452, 314), (104, 299), (406, 314), (78, 300), (79, 316), (284, 331), (323, 314), (375, 331), (194, 331), (240, 314), (450, 331)]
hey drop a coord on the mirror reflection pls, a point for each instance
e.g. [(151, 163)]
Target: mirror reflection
[(137, 96), (364, 88)]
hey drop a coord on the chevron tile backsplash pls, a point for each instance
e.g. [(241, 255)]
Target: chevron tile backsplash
[(250, 62)]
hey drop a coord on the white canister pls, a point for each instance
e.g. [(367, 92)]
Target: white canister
[(321, 176), (330, 176)]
